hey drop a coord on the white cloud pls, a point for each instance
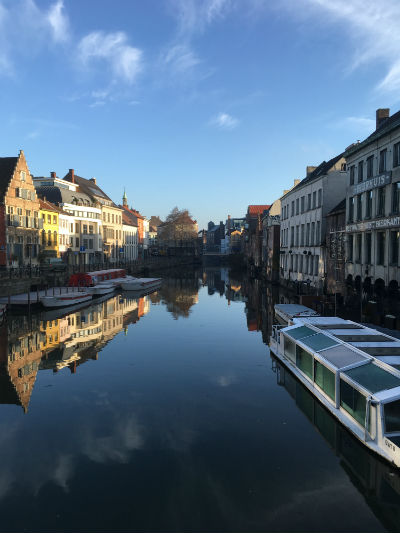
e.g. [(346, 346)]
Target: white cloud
[(124, 60), (360, 124), (372, 25), (225, 121), (194, 15), (180, 59), (58, 21)]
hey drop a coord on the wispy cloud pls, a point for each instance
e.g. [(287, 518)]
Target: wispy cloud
[(180, 58), (372, 26), (224, 121), (114, 49), (359, 125), (58, 22)]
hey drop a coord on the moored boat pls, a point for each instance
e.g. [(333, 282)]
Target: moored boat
[(285, 313), (101, 289), (352, 370), (141, 284), (64, 300), (90, 279)]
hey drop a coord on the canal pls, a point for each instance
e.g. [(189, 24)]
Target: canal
[(167, 413)]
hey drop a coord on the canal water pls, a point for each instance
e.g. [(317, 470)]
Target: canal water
[(167, 413)]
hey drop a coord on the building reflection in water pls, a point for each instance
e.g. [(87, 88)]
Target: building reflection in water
[(376, 480), (180, 294), (53, 341)]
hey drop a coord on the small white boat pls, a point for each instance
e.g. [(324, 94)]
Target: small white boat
[(66, 299), (101, 288), (285, 313), (141, 284), (117, 282)]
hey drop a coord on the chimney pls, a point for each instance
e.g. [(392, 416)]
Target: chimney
[(53, 175), (93, 180), (381, 116), (71, 175), (310, 169)]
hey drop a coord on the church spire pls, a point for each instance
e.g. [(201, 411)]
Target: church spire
[(125, 199)]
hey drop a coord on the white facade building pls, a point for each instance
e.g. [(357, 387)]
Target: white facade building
[(130, 241), (303, 211), (373, 205)]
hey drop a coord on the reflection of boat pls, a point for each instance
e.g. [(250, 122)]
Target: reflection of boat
[(375, 479), (360, 390), (141, 284), (101, 289), (64, 300)]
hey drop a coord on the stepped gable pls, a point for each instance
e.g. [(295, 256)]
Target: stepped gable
[(7, 167)]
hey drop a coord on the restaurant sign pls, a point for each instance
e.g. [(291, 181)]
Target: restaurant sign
[(372, 183), (381, 223)]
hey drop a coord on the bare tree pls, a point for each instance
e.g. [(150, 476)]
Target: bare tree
[(178, 226)]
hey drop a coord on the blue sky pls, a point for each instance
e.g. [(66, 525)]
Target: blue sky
[(209, 105)]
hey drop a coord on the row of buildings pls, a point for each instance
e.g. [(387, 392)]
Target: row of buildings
[(70, 218), (337, 227)]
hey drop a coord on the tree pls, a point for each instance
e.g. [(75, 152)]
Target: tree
[(178, 226)]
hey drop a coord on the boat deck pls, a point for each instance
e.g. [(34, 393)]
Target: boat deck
[(34, 296)]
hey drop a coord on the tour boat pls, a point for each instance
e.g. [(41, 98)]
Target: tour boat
[(352, 370), (101, 289), (90, 279), (117, 282), (140, 284), (65, 299)]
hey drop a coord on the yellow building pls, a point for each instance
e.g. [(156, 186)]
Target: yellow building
[(49, 237)]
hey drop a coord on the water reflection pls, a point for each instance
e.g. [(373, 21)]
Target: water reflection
[(376, 480), (51, 340), (179, 294)]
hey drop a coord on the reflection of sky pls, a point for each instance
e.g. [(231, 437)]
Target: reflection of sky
[(178, 425)]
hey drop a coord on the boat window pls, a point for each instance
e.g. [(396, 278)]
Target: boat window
[(325, 379), (290, 349), (392, 416), (300, 332), (319, 342), (304, 361), (373, 378), (353, 402)]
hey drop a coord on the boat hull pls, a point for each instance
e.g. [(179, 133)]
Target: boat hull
[(100, 291), (64, 300), (141, 284)]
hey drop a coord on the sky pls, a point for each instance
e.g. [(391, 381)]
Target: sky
[(208, 105)]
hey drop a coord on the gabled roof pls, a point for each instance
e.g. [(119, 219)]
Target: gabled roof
[(341, 206), (385, 127), (131, 211), (155, 222), (254, 210), (88, 187), (7, 167), (58, 195), (129, 219), (49, 206)]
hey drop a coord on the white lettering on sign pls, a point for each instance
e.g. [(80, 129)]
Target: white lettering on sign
[(378, 181), (374, 224)]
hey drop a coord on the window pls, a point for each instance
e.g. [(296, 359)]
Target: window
[(297, 206), (297, 235), (392, 416), (396, 198), (84, 228), (380, 248), (302, 204), (309, 202), (353, 402), (350, 248), (396, 154), (48, 219), (358, 247), (368, 204), (318, 233), (352, 174), (85, 243), (359, 207), (77, 242), (293, 208), (304, 361), (308, 235), (350, 217), (22, 175), (292, 236), (54, 219), (77, 228), (325, 379), (382, 160), (302, 235), (360, 171), (314, 199), (312, 238), (368, 248), (394, 247), (319, 197), (370, 166), (316, 265), (380, 208)]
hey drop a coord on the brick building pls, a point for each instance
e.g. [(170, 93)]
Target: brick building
[(19, 214)]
